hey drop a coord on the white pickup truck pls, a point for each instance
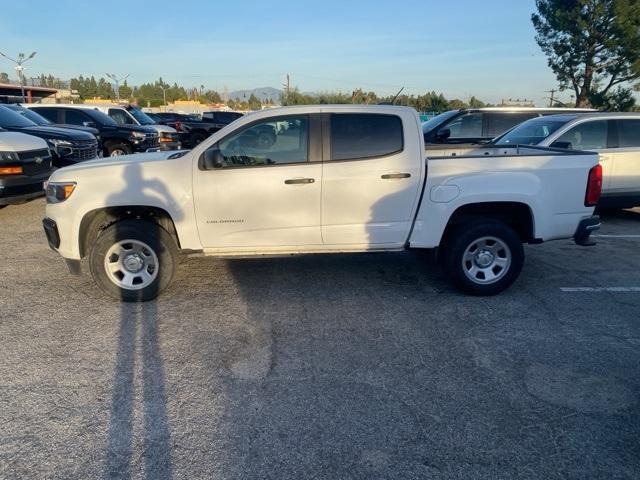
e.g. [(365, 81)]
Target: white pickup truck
[(318, 179)]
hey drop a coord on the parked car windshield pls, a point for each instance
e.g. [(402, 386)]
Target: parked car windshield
[(437, 120), (9, 118), (141, 117), (532, 132), (30, 114)]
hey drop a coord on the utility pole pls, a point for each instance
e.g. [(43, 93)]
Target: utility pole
[(116, 83), (19, 68), (551, 99)]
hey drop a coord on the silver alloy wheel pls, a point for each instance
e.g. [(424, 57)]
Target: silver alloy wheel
[(131, 264), (486, 260), (117, 152)]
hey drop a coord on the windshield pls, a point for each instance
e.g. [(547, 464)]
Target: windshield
[(30, 114), (437, 120), (532, 132), (141, 117), (9, 118)]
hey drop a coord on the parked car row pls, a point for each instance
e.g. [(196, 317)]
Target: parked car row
[(485, 131)]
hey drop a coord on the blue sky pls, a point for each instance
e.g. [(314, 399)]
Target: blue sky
[(483, 48)]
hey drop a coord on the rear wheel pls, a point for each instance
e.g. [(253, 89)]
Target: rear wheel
[(483, 257), (133, 260)]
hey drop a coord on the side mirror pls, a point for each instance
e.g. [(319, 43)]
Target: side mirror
[(563, 145), (443, 134), (89, 124), (212, 158)]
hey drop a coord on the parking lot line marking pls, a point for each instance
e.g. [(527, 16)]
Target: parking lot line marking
[(600, 289), (616, 236)]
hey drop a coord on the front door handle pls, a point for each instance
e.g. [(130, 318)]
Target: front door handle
[(392, 176), (299, 181)]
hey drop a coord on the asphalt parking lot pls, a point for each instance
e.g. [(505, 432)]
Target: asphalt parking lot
[(344, 366)]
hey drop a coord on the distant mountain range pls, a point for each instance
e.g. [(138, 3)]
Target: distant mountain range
[(263, 94)]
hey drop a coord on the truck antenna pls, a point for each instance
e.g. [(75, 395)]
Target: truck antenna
[(393, 101)]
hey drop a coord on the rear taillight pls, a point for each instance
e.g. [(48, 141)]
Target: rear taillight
[(594, 186)]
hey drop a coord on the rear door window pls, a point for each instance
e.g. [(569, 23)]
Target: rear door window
[(586, 136), (365, 135), (50, 114), (628, 133), (498, 123)]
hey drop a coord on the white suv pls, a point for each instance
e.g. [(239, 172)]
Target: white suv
[(615, 136)]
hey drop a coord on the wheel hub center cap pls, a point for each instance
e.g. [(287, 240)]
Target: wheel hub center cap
[(133, 263), (484, 258)]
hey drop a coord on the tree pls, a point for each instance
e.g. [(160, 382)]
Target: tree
[(4, 77), (254, 102), (590, 43), (619, 100)]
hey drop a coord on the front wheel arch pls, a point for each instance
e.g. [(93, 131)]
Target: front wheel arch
[(96, 221)]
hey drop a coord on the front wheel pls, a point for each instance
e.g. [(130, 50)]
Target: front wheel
[(133, 260), (483, 257), (115, 149)]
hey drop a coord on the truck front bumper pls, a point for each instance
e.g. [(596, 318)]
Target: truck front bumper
[(585, 228)]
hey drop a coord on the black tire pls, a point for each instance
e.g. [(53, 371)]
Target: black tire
[(3, 206), (197, 138), (113, 149), (159, 242), (472, 277)]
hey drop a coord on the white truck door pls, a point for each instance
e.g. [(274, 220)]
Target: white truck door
[(265, 189), (371, 177)]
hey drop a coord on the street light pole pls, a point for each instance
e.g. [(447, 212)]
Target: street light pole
[(116, 82), (20, 69), (164, 95)]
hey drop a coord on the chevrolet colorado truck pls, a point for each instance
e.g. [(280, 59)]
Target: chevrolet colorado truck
[(342, 178)]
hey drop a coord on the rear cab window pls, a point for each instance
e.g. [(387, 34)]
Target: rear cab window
[(628, 133), (364, 135)]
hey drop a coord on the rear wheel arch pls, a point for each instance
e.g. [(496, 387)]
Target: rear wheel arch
[(96, 221), (516, 215)]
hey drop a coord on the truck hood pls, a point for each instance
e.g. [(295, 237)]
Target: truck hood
[(162, 128), (20, 142), (105, 163)]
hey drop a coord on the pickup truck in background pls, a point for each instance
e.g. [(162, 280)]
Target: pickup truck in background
[(116, 139), (25, 164), (194, 130), (336, 178)]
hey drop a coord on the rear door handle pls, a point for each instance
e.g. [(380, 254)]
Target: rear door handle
[(299, 181), (392, 176)]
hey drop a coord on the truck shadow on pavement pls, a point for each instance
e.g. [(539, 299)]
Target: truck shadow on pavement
[(139, 356)]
